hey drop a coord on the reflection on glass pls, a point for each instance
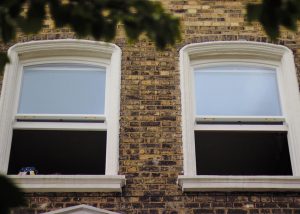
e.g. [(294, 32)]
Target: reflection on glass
[(236, 91), (62, 89)]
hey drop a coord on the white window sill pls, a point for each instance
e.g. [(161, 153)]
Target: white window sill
[(238, 183), (69, 183)]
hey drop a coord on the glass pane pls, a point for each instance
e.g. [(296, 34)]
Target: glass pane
[(63, 89), (236, 91), (58, 152), (242, 153)]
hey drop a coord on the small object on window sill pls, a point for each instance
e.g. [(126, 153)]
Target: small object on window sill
[(28, 171)]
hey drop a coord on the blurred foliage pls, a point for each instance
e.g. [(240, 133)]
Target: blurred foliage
[(97, 18), (275, 13), (10, 195)]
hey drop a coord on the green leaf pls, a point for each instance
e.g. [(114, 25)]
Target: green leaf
[(7, 27), (253, 12), (11, 196), (33, 22), (138, 16), (60, 13), (14, 7), (97, 18), (3, 60), (275, 13)]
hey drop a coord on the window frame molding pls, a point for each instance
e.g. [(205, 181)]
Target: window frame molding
[(82, 208), (265, 54), (57, 51)]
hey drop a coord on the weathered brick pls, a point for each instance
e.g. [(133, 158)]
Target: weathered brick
[(150, 119), (237, 211), (203, 211)]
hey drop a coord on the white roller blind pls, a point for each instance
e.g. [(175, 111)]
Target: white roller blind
[(62, 89), (236, 91)]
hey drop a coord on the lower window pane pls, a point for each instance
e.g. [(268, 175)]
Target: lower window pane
[(58, 152), (242, 153)]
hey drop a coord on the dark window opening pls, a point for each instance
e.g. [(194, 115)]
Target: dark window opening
[(241, 122), (242, 153), (58, 152)]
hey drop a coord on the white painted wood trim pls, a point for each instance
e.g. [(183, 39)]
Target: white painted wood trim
[(64, 67), (188, 139), (208, 118), (113, 113), (59, 126), (6, 109), (291, 100), (61, 117), (229, 127), (249, 60), (202, 70), (239, 183), (250, 53), (235, 49), (64, 47), (69, 183)]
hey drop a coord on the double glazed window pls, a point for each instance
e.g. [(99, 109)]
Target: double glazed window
[(245, 100), (236, 91), (240, 117), (53, 99), (63, 89), (59, 113)]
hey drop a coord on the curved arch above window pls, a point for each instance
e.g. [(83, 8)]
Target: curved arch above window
[(57, 101), (240, 117), (81, 209)]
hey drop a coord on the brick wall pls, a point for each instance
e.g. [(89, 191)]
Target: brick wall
[(150, 132)]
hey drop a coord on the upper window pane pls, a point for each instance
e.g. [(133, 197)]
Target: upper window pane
[(236, 91), (62, 89)]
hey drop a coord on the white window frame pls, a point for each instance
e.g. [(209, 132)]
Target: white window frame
[(247, 53), (63, 51)]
